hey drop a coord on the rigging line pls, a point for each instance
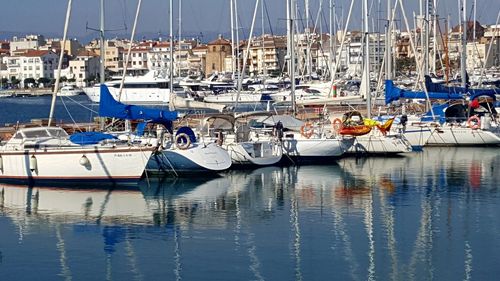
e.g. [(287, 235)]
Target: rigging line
[(70, 116), (280, 66), (82, 105)]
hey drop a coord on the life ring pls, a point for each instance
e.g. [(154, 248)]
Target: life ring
[(307, 130), (182, 141), (474, 122), (337, 124)]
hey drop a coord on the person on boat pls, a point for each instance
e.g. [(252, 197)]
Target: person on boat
[(403, 121), (278, 130)]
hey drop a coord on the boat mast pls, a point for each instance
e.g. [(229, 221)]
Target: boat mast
[(247, 53), (367, 59), (332, 44), (233, 50), (434, 35), (388, 43), (171, 66), (179, 40), (463, 57), (237, 35), (59, 66), (288, 38), (101, 45), (291, 18)]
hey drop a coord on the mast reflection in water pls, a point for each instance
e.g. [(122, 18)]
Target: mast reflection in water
[(429, 215)]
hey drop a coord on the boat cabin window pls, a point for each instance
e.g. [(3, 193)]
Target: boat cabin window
[(36, 134), (18, 136), (57, 133)]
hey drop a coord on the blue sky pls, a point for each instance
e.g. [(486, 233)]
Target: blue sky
[(47, 16)]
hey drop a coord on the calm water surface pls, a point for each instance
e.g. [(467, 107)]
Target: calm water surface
[(432, 215)]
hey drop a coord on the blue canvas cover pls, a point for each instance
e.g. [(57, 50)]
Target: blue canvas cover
[(188, 131), (435, 87), (393, 93), (439, 113), (109, 107), (87, 138)]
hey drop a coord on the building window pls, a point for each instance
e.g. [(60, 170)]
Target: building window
[(214, 49), (213, 65)]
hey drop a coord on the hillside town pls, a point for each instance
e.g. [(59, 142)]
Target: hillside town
[(32, 60)]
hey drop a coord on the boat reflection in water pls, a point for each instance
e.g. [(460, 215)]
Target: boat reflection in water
[(429, 215)]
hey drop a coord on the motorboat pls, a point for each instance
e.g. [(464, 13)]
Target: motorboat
[(141, 90), (69, 91)]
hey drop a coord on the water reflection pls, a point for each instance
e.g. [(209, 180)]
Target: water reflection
[(428, 215)]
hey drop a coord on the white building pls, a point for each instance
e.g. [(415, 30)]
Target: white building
[(356, 49), (32, 42), (32, 64), (83, 69)]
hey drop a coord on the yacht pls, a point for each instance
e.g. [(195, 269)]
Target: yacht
[(69, 91), (141, 90)]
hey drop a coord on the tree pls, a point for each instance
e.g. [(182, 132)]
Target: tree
[(43, 80), (29, 81), (14, 81)]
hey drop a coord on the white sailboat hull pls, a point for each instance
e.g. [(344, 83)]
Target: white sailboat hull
[(463, 136), (106, 165), (302, 147), (196, 158), (260, 153), (379, 144)]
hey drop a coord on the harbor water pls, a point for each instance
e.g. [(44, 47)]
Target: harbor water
[(429, 215)]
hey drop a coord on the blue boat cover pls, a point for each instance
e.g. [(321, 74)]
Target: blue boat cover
[(86, 138), (109, 107), (439, 113), (393, 93), (188, 131), (435, 87)]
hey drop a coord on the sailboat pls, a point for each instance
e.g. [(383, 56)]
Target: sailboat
[(235, 136), (374, 141), (47, 154), (178, 151), (461, 121)]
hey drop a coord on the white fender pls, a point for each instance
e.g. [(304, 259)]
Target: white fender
[(33, 163), (84, 161)]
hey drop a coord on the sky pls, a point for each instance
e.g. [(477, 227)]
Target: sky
[(198, 16)]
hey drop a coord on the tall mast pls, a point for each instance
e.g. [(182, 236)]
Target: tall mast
[(434, 35), (247, 53), (179, 40), (463, 60), (288, 35), (61, 56), (388, 43), (171, 67), (308, 38), (264, 68), (101, 45), (332, 53), (237, 35), (291, 23), (367, 60), (233, 51)]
